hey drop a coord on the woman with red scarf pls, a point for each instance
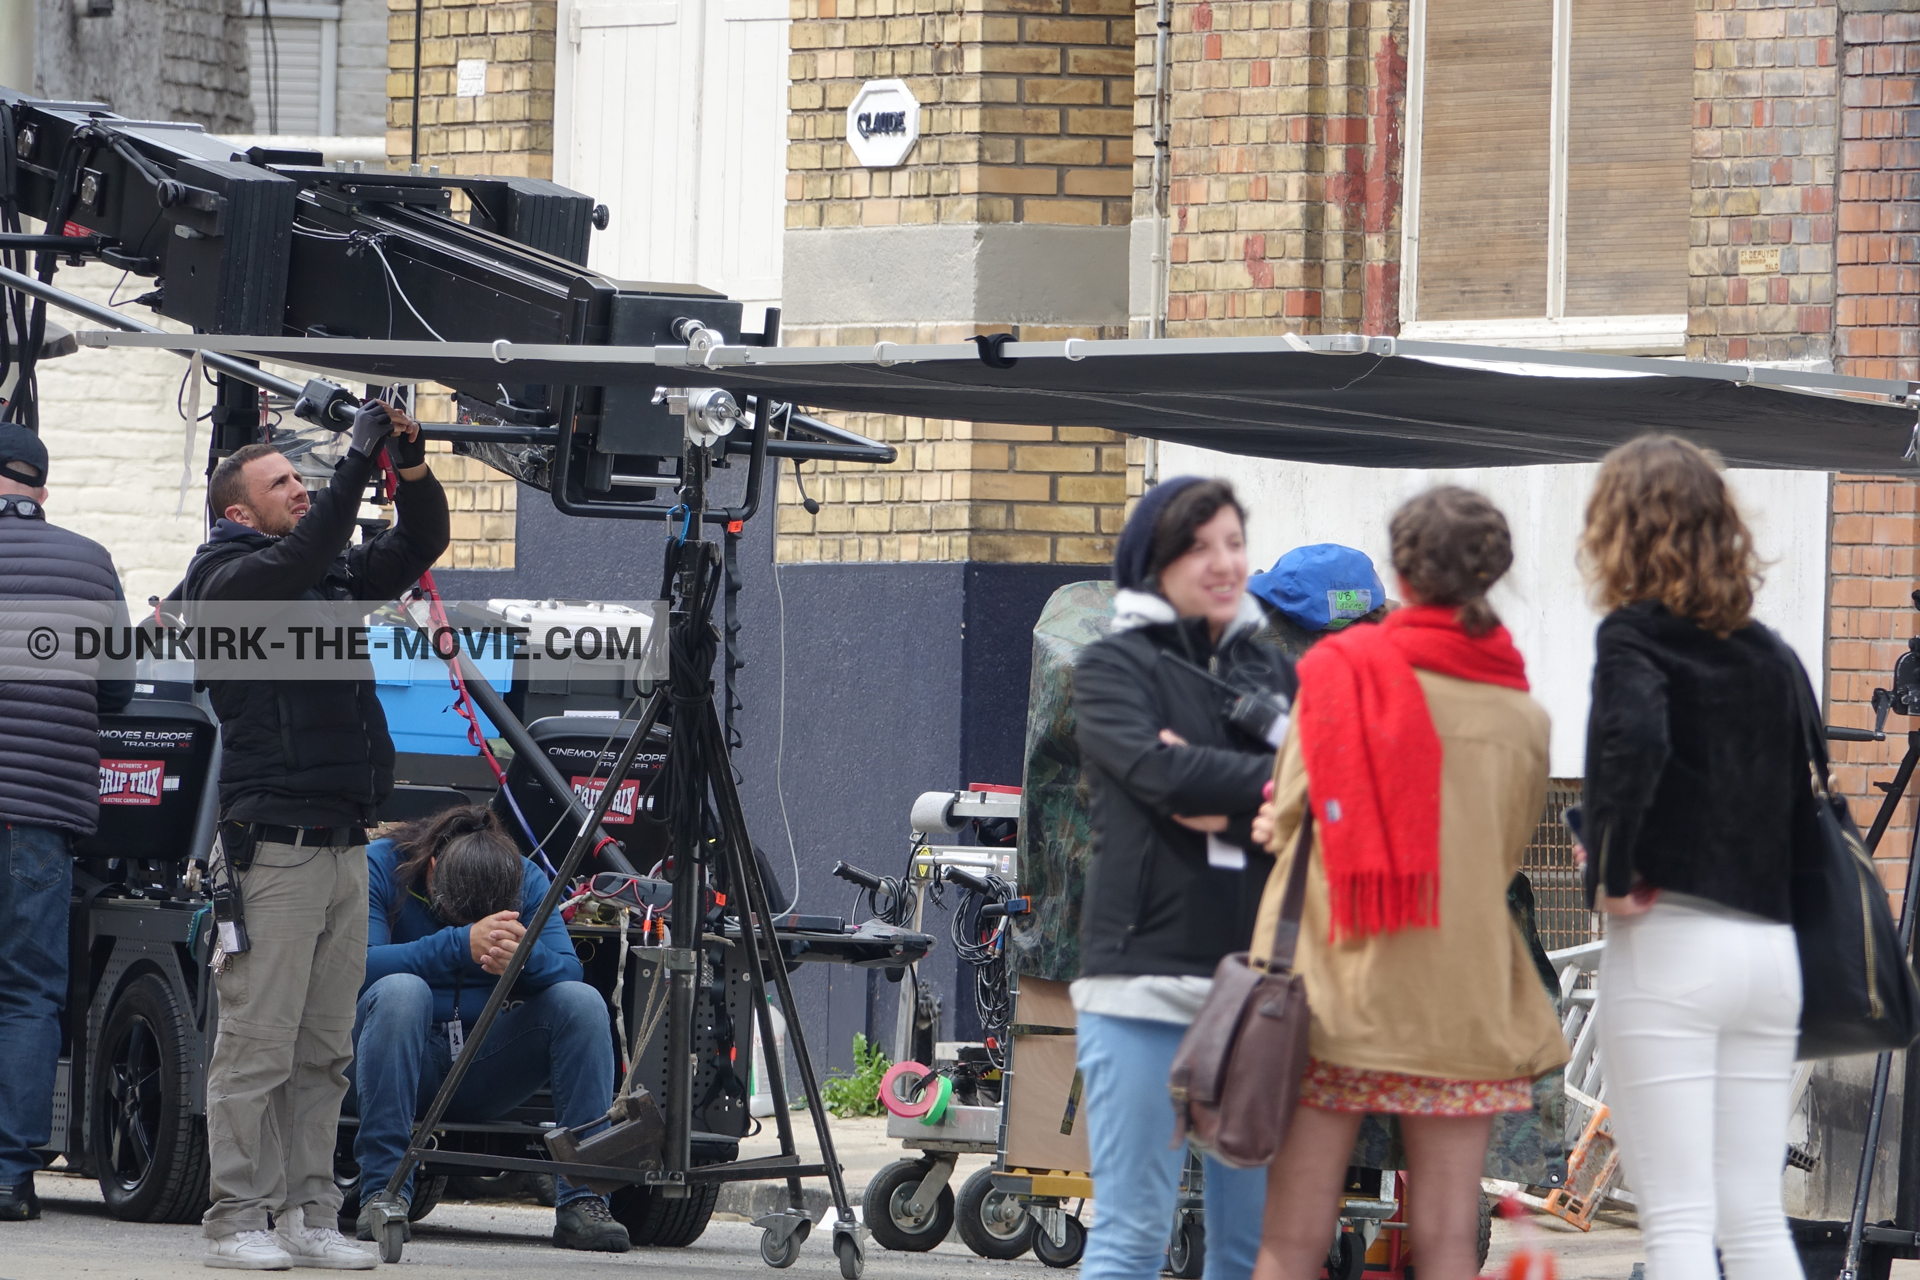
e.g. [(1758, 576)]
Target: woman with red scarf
[(1425, 762)]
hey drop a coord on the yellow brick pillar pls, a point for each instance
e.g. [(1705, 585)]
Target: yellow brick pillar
[(1009, 215)]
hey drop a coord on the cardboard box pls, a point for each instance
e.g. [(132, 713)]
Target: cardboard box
[(1046, 1124)]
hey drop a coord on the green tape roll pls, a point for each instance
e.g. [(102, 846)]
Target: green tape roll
[(942, 1095)]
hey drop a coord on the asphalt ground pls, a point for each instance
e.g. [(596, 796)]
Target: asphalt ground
[(76, 1238)]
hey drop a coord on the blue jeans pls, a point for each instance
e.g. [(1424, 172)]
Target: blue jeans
[(1136, 1168), (401, 1055), (33, 990)]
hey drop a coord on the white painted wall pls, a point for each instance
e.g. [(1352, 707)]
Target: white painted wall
[(673, 113), (1542, 599), (114, 445)]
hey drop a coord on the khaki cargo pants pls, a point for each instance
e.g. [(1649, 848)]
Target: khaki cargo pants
[(285, 1037)]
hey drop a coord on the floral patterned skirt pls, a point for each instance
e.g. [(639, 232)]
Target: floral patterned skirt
[(1328, 1087)]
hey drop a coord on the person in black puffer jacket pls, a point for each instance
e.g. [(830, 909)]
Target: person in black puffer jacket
[(1176, 876), (304, 767), (49, 793)]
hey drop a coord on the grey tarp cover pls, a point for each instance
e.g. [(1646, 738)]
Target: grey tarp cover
[(1354, 409), (1056, 846)]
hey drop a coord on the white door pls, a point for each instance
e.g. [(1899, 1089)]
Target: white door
[(673, 114), (293, 55)]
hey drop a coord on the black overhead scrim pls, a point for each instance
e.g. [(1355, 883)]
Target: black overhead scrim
[(1353, 409)]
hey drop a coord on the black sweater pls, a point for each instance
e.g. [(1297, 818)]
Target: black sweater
[(314, 753), (1153, 904), (1697, 770)]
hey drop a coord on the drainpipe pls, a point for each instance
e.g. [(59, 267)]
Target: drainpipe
[(1162, 142)]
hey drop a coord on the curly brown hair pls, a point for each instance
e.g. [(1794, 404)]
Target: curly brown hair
[(1661, 525), (1450, 545)]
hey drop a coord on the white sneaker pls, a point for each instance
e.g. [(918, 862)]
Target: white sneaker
[(321, 1247), (248, 1251)]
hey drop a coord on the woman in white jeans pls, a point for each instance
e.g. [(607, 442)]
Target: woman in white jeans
[(1696, 779)]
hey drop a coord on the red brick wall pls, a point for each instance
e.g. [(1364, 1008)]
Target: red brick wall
[(1286, 165), (1763, 178), (1876, 308), (1877, 326)]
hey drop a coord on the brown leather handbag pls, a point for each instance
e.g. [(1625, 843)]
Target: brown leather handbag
[(1236, 1079)]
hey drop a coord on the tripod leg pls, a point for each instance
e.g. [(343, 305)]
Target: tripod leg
[(758, 917), (555, 891), (1883, 1067)]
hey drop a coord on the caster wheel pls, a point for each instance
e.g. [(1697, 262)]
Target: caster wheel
[(393, 1241), (782, 1254), (851, 1263), (889, 1209), (1348, 1257), (1186, 1254), (1065, 1254), (992, 1223)]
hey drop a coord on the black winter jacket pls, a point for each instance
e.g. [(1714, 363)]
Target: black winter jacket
[(1153, 904), (314, 753), (1697, 772), (50, 731)]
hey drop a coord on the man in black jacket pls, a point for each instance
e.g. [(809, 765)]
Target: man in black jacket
[(49, 793), (305, 765)]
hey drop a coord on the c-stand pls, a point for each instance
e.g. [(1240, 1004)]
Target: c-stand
[(698, 769), (1903, 1237)]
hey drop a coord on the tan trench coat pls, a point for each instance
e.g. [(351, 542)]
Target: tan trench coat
[(1462, 1001)]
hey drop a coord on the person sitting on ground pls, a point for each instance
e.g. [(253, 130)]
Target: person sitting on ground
[(1314, 591), (445, 896)]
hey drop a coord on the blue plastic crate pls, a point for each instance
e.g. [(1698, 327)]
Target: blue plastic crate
[(419, 702)]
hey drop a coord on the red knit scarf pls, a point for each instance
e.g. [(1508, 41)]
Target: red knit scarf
[(1373, 759)]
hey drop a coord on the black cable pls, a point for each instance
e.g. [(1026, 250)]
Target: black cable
[(980, 944)]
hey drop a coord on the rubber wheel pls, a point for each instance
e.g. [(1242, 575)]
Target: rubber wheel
[(1187, 1251), (149, 1149), (981, 1228), (652, 1219), (428, 1192), (1347, 1258), (393, 1241), (783, 1254), (885, 1209), (847, 1249), (1064, 1255)]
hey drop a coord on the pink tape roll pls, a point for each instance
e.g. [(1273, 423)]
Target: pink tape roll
[(891, 1095)]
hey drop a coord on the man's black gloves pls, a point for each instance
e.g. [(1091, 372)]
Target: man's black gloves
[(404, 453), (370, 426)]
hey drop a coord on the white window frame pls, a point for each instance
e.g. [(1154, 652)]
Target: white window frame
[(328, 15), (1657, 334)]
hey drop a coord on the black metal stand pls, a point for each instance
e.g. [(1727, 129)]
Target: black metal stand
[(698, 770), (1859, 1235)]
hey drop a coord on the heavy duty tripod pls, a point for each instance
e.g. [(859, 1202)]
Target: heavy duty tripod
[(698, 780), (1903, 1237)]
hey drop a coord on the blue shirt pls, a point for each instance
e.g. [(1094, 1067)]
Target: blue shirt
[(417, 943)]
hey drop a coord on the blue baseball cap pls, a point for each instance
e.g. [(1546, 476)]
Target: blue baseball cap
[(1322, 587)]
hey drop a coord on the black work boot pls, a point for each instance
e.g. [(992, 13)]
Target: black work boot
[(20, 1204), (587, 1223), (364, 1225)]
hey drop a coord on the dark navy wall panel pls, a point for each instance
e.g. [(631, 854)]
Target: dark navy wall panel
[(900, 678)]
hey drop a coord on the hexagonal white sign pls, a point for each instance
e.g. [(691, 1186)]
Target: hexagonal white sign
[(883, 123)]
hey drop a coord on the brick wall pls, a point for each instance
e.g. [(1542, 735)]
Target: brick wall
[(962, 491), (1026, 112), (152, 60), (1026, 118), (1875, 529), (1877, 328), (360, 109), (508, 129), (1764, 145), (1286, 155)]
